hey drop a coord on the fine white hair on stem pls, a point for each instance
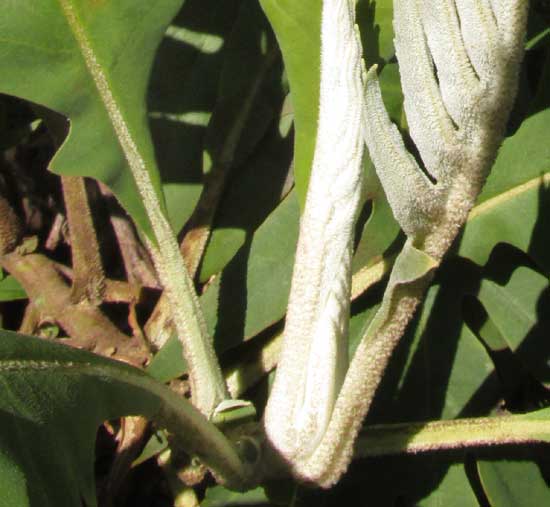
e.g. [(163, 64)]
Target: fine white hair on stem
[(458, 62), (457, 99), (314, 358)]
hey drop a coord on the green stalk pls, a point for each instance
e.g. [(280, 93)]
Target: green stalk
[(207, 382), (190, 428), (413, 438)]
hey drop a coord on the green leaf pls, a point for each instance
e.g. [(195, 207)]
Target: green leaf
[(169, 362), (375, 21), (238, 307), (513, 483), (254, 192), (53, 398), (246, 100), (90, 61), (297, 26), (518, 308), (452, 491), (182, 95), (244, 138), (398, 481), (440, 360), (514, 202), (10, 289), (156, 444), (219, 496)]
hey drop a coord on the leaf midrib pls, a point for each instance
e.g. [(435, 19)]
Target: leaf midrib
[(123, 133), (503, 197)]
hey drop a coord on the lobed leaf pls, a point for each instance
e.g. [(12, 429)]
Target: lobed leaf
[(53, 398), (90, 61), (518, 310), (514, 204)]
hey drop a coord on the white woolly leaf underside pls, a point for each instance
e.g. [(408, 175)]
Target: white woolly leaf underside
[(459, 62), (314, 358)]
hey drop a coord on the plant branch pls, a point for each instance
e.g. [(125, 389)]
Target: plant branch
[(89, 277), (413, 438), (10, 227), (50, 296)]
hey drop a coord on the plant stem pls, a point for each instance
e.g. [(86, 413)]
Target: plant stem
[(191, 429), (413, 438), (50, 297), (10, 227), (89, 278), (332, 456), (205, 374), (314, 355)]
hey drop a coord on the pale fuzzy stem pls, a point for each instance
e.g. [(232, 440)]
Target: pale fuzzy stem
[(333, 454), (510, 13), (332, 457), (479, 32), (314, 356), (411, 195), (457, 80), (460, 169), (423, 103), (205, 374), (413, 438), (207, 383), (88, 274)]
